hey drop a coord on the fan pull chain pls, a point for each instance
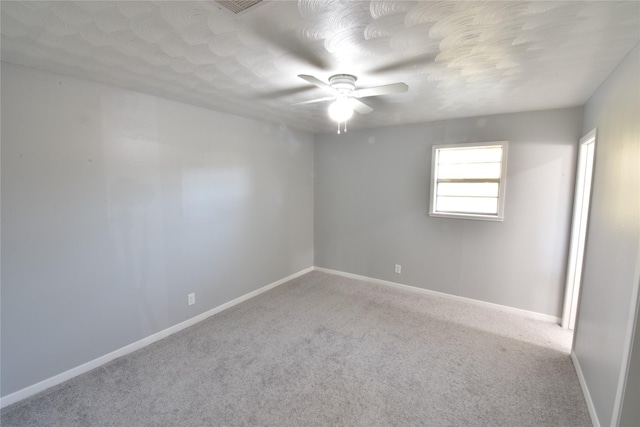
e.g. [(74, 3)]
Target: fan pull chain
[(338, 128)]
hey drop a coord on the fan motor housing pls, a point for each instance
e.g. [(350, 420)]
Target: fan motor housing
[(343, 83)]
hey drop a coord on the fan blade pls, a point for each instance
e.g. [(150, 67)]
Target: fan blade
[(406, 63), (313, 101), (283, 92), (360, 106), (381, 90), (317, 82)]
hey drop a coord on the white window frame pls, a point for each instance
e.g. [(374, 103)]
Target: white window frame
[(502, 182)]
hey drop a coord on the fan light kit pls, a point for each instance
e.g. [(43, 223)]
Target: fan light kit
[(344, 96), (341, 111)]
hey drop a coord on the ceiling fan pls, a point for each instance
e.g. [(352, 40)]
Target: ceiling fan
[(346, 97), (341, 87)]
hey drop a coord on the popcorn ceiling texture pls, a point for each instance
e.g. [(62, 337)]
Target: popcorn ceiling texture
[(460, 58)]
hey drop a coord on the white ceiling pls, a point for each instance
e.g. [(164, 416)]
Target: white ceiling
[(458, 58)]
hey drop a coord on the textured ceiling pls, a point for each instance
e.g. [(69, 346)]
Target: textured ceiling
[(458, 58)]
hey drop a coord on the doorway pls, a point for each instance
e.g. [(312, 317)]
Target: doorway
[(580, 219)]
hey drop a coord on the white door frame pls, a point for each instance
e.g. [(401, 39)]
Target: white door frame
[(582, 198)]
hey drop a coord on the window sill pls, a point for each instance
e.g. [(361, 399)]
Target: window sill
[(475, 217)]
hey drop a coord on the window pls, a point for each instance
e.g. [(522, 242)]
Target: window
[(468, 180)]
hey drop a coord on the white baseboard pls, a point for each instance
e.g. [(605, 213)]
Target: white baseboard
[(504, 308), (86, 367), (95, 363), (585, 390)]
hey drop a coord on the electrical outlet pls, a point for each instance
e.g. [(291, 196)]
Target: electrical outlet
[(191, 298), (398, 269)]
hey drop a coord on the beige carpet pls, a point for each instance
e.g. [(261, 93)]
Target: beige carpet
[(325, 350)]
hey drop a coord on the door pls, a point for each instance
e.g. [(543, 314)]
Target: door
[(582, 198)]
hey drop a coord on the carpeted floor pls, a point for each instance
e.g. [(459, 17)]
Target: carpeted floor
[(325, 350)]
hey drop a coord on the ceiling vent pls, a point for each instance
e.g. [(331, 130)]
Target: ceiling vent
[(238, 6)]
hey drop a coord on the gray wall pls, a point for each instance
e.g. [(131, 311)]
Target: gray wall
[(116, 205), (371, 199), (611, 271), (630, 415)]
